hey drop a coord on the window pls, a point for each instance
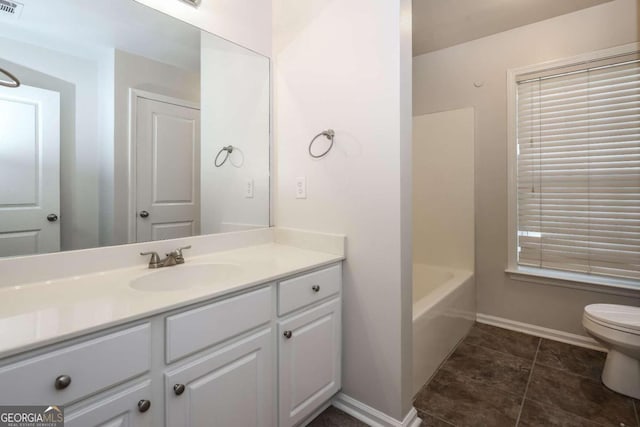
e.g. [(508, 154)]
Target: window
[(576, 166)]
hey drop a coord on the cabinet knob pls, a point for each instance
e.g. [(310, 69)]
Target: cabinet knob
[(62, 382), (178, 389), (144, 405), (287, 334), (316, 288)]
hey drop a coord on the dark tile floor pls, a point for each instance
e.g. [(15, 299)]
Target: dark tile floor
[(333, 417), (497, 377)]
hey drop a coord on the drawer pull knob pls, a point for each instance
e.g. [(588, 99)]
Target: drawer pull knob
[(62, 382), (316, 288), (178, 389), (288, 334), (144, 405)]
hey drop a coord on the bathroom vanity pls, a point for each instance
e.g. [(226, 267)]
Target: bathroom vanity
[(258, 345)]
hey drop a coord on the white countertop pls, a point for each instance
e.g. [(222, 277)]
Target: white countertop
[(37, 314)]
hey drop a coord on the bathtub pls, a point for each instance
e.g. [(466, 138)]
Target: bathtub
[(444, 309)]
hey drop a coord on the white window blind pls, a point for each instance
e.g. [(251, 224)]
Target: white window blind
[(578, 169)]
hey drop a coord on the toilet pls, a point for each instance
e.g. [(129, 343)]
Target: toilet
[(617, 328)]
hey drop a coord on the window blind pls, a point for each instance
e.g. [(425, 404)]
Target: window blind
[(578, 170)]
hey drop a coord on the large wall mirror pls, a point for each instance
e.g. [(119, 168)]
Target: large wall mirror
[(128, 126)]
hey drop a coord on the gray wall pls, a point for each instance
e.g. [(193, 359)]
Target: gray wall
[(136, 72), (346, 65), (77, 81), (444, 80), (235, 103)]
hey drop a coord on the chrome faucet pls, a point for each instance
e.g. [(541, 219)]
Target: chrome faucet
[(173, 258)]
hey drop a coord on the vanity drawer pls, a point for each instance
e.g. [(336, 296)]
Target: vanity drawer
[(194, 330), (309, 288), (92, 366)]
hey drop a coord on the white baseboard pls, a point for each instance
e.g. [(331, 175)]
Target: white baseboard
[(315, 414), (372, 416), (539, 331)]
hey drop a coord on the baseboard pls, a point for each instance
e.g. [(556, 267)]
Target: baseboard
[(539, 331), (315, 414), (372, 416)]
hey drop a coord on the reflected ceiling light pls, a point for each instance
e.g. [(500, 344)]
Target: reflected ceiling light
[(193, 2)]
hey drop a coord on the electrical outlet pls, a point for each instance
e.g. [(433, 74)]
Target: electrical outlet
[(248, 189), (301, 187)]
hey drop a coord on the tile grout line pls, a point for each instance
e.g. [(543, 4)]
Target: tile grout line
[(504, 353), (568, 372), (526, 389), (565, 412), (438, 418)]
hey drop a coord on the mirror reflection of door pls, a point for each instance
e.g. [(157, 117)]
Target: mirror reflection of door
[(167, 141), (29, 171)]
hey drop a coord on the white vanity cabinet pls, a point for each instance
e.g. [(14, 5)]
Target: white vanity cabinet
[(264, 356), (129, 408), (71, 373), (309, 343), (229, 387), (196, 329)]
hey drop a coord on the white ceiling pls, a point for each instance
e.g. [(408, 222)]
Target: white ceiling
[(438, 24), (87, 25)]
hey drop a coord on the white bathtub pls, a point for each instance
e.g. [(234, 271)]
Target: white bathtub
[(444, 309)]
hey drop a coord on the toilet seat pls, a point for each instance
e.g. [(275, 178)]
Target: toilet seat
[(620, 317)]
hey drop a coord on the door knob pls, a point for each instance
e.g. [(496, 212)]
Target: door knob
[(52, 217), (144, 214), (144, 405)]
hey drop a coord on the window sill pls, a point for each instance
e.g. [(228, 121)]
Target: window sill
[(584, 282)]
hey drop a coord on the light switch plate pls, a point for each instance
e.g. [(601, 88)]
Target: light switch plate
[(301, 187), (248, 189)]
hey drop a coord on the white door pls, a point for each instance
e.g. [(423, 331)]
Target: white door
[(167, 170), (29, 171), (309, 361), (230, 387)]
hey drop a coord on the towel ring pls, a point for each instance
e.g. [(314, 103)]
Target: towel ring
[(329, 134), (14, 82), (229, 150)]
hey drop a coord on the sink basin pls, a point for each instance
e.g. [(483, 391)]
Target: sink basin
[(186, 277)]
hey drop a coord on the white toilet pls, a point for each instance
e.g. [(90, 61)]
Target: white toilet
[(617, 328)]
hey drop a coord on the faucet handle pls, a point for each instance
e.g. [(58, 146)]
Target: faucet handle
[(179, 250), (177, 254), (155, 258)]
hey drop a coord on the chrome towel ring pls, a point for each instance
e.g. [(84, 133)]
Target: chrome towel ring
[(329, 134), (13, 82), (229, 150)]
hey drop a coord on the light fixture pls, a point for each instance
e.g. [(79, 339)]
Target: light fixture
[(195, 3)]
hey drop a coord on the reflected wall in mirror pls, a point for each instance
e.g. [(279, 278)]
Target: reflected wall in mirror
[(112, 136)]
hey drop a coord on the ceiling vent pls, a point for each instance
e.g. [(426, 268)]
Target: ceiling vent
[(10, 9)]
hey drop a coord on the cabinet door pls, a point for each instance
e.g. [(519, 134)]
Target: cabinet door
[(119, 410), (309, 361), (230, 387)]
